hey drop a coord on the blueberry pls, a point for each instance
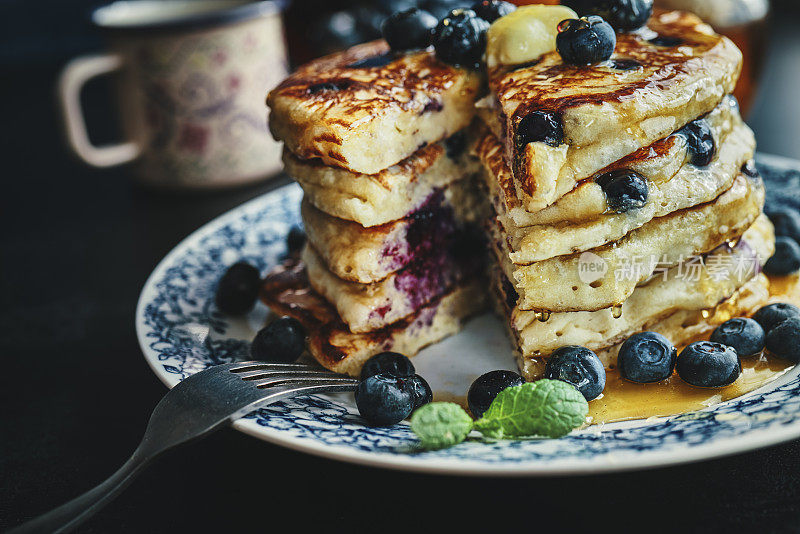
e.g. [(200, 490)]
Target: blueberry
[(384, 399), (786, 222), (772, 314), (624, 64), (646, 357), (381, 60), (578, 366), (455, 145), (409, 29), (440, 8), (744, 335), (486, 387), (784, 339), (786, 258), (699, 141), (295, 239), (491, 10), (390, 363), (625, 190), (749, 169), (622, 15), (238, 289), (585, 41), (539, 126), (708, 364), (421, 392), (283, 341), (665, 41), (460, 38)]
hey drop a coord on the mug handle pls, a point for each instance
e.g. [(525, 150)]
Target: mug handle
[(74, 76)]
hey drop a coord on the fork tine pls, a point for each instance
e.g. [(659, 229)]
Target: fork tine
[(253, 375), (274, 381), (242, 367), (295, 390)]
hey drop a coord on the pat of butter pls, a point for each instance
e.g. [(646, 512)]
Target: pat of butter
[(524, 34)]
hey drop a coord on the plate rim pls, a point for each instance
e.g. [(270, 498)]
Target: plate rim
[(750, 441)]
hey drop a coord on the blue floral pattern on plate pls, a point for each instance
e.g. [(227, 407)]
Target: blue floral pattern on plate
[(181, 332)]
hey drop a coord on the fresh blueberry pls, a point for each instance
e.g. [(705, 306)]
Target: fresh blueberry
[(238, 289), (578, 366), (623, 15), (585, 41), (381, 60), (460, 38), (772, 314), (390, 363), (646, 357), (384, 399), (455, 145), (749, 169), (486, 387), (786, 258), (409, 29), (708, 364), (491, 10), (665, 41), (700, 141), (624, 64), (625, 189), (784, 339), (421, 392), (336, 31), (295, 239), (539, 126), (744, 335), (283, 341), (440, 8), (786, 222)]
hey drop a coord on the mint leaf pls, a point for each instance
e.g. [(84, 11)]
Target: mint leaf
[(440, 424), (548, 408)]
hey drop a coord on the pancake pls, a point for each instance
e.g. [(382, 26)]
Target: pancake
[(367, 255), (391, 194), (364, 109), (605, 276), (581, 219), (367, 307), (286, 291), (679, 327), (660, 78), (682, 289)]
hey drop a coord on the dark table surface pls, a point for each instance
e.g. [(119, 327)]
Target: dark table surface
[(75, 392)]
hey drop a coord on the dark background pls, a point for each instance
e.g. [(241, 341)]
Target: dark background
[(75, 393)]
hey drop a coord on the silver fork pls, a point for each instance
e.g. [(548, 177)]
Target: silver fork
[(194, 408)]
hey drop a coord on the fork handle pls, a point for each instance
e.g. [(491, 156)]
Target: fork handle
[(70, 514)]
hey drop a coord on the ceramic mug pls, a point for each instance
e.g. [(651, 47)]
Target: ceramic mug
[(193, 77)]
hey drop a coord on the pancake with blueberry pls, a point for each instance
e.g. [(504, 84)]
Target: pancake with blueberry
[(607, 275), (371, 306), (368, 254), (368, 108), (391, 194), (652, 182), (680, 303), (286, 291), (563, 117)]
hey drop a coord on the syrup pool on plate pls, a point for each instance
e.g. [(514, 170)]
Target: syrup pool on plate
[(623, 400)]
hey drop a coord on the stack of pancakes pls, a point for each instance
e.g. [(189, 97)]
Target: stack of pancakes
[(394, 257), (572, 271)]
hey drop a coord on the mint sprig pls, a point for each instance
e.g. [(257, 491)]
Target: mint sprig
[(441, 424), (546, 408)]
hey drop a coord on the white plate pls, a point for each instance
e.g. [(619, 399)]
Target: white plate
[(181, 332)]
